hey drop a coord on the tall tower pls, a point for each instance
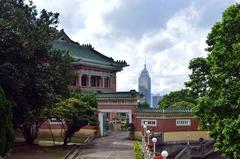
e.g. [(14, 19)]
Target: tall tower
[(144, 85)]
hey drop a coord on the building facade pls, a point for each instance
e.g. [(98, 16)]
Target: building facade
[(97, 73), (155, 100), (144, 85), (94, 72)]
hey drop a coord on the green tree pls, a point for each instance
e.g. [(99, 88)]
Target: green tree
[(197, 85), (77, 111), (170, 99), (220, 105), (143, 105), (6, 131), (31, 73), (183, 104)]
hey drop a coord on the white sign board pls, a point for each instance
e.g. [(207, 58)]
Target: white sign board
[(183, 122), (56, 121), (149, 122)]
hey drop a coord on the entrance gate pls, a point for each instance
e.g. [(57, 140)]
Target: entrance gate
[(103, 119), (105, 124)]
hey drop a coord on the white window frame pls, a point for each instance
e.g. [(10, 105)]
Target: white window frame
[(148, 122), (183, 122)]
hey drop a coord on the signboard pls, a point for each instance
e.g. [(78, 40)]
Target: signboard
[(56, 121), (149, 122), (183, 122)]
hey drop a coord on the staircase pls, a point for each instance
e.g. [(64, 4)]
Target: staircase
[(201, 151)]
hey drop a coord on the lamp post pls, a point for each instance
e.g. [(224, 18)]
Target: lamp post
[(148, 133), (154, 140), (164, 154), (144, 130), (188, 139)]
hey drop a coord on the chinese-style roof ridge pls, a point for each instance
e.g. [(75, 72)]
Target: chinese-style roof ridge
[(158, 110), (66, 38), (123, 94), (84, 52)]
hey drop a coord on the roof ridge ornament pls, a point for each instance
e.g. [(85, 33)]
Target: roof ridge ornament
[(87, 46)]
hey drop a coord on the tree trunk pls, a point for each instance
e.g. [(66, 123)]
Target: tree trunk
[(67, 138), (29, 132)]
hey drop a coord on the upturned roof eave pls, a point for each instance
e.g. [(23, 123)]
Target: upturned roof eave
[(95, 63)]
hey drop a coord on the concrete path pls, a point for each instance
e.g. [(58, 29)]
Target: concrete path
[(116, 146)]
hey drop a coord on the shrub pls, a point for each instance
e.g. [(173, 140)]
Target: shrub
[(6, 131), (138, 151)]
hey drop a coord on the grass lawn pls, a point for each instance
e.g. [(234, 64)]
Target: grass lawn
[(23, 151), (42, 149), (43, 136), (60, 139)]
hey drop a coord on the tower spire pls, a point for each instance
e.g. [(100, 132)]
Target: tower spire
[(145, 63)]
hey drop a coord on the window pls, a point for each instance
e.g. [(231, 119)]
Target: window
[(106, 82), (56, 121), (149, 122), (84, 80), (183, 122), (98, 81), (93, 81)]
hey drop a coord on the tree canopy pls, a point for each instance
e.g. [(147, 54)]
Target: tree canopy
[(6, 131), (77, 111), (197, 85), (219, 105), (177, 99), (32, 74)]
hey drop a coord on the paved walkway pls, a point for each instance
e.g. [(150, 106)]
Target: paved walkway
[(116, 146)]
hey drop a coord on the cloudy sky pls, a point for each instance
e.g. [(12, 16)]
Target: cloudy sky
[(168, 33)]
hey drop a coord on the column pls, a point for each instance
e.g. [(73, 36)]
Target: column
[(130, 116), (100, 119), (103, 82), (89, 80)]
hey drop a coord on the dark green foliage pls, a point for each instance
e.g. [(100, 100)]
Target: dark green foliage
[(170, 99), (6, 131), (61, 72), (219, 106), (77, 111), (183, 104), (31, 73), (197, 85)]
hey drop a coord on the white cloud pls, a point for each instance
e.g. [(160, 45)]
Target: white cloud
[(168, 67), (167, 49)]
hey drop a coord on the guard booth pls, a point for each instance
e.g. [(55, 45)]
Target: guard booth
[(110, 104)]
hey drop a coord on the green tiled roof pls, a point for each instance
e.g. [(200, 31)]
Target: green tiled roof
[(85, 53), (130, 94), (158, 110)]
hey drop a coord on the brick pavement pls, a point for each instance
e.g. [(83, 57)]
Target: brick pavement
[(116, 146)]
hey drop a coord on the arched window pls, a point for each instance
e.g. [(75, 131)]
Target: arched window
[(84, 80)]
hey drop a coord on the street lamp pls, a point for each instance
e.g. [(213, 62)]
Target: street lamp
[(164, 154), (154, 140), (148, 133), (188, 139), (144, 128)]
